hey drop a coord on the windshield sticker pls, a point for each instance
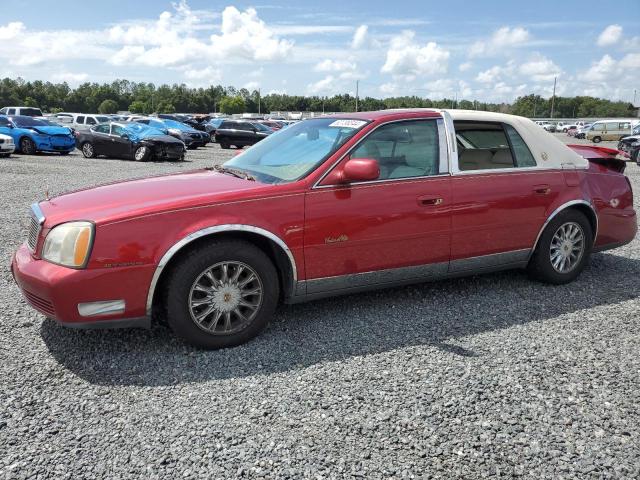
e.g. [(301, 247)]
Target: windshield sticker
[(348, 123)]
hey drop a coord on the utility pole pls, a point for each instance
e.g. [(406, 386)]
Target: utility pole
[(634, 97), (258, 101), (553, 98), (535, 103), (357, 88), (323, 104)]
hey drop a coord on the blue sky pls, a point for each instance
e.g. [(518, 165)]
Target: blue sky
[(489, 51)]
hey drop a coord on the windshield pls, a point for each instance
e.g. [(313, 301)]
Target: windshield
[(31, 122), (290, 154), (31, 112)]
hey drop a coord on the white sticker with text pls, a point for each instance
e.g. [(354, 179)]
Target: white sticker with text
[(348, 123)]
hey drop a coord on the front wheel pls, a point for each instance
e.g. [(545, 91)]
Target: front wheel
[(142, 154), (597, 139), (27, 146), (563, 248), (222, 294)]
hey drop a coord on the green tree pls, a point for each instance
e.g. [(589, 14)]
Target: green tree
[(165, 107), (30, 102), (108, 106), (230, 105), (138, 106)]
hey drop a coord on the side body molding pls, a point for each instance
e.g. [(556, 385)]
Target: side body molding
[(209, 231), (562, 207)]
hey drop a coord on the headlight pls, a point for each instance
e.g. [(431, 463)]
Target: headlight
[(69, 244), (174, 131)]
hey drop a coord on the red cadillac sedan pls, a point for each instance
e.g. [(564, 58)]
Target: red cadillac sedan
[(327, 206)]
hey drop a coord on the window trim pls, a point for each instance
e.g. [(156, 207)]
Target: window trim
[(443, 150), (455, 168)]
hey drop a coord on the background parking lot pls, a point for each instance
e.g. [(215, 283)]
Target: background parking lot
[(489, 375)]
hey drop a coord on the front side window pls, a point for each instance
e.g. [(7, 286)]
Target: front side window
[(12, 111), (296, 151), (482, 146), (403, 150), (80, 119), (4, 122), (625, 126), (91, 121)]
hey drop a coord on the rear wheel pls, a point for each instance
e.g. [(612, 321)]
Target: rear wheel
[(597, 139), (27, 146), (88, 150), (563, 248), (222, 294), (224, 146)]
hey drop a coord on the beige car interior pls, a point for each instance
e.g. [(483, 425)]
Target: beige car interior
[(482, 146)]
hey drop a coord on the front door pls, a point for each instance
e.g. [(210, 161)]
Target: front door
[(387, 231), (500, 197), (120, 147)]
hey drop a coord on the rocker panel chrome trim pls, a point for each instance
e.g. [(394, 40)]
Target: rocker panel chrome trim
[(359, 282), (209, 231)]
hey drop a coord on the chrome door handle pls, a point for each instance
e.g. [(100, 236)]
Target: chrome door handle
[(430, 201)]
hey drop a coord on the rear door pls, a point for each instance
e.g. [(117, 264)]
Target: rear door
[(393, 229), (500, 196)]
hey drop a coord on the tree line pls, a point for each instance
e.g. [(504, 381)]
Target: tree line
[(140, 97)]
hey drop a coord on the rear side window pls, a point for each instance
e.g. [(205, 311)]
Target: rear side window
[(80, 119), (625, 126), (104, 128), (612, 126), (482, 146), (91, 121), (523, 155), (224, 125), (12, 111)]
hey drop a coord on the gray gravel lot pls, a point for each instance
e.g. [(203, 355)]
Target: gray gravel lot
[(490, 376)]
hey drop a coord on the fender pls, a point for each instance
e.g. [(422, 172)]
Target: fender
[(561, 208), (209, 231)]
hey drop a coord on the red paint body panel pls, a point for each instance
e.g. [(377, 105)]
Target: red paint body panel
[(330, 231)]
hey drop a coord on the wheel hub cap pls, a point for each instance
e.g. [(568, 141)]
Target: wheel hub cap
[(567, 247), (225, 298)]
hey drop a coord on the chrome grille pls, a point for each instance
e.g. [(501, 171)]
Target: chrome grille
[(35, 225)]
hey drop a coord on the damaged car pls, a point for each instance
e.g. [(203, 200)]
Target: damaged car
[(32, 135)]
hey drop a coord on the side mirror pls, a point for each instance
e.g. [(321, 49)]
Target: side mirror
[(125, 136), (360, 170)]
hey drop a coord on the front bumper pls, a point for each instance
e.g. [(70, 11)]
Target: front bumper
[(55, 144), (60, 293)]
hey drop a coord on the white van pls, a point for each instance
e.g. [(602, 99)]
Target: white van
[(26, 111), (613, 129), (83, 121)]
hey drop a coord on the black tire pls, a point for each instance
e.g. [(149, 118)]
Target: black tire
[(5, 155), (564, 130), (239, 147), (142, 153), (540, 266), (224, 146), (597, 139), (634, 155), (178, 291), (27, 146), (88, 150)]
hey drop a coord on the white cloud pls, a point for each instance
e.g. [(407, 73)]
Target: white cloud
[(329, 65), (203, 76), (490, 75), (324, 86), (463, 67), (406, 58), (285, 29), (169, 41), (601, 70), (251, 86), (610, 36), (69, 77), (11, 30), (502, 39), (245, 35), (359, 37), (540, 69)]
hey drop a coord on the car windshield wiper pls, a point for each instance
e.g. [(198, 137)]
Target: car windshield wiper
[(234, 172)]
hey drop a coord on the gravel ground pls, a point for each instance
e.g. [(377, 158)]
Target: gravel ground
[(490, 376)]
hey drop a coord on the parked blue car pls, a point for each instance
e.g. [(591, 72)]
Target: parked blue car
[(33, 135), (191, 137)]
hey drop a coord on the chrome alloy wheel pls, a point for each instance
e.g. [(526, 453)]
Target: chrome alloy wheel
[(140, 153), (87, 149), (225, 298), (567, 247)]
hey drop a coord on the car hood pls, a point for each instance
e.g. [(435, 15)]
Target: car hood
[(50, 130), (160, 138), (133, 198)]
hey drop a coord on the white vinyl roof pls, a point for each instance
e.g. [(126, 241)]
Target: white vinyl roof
[(548, 151)]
